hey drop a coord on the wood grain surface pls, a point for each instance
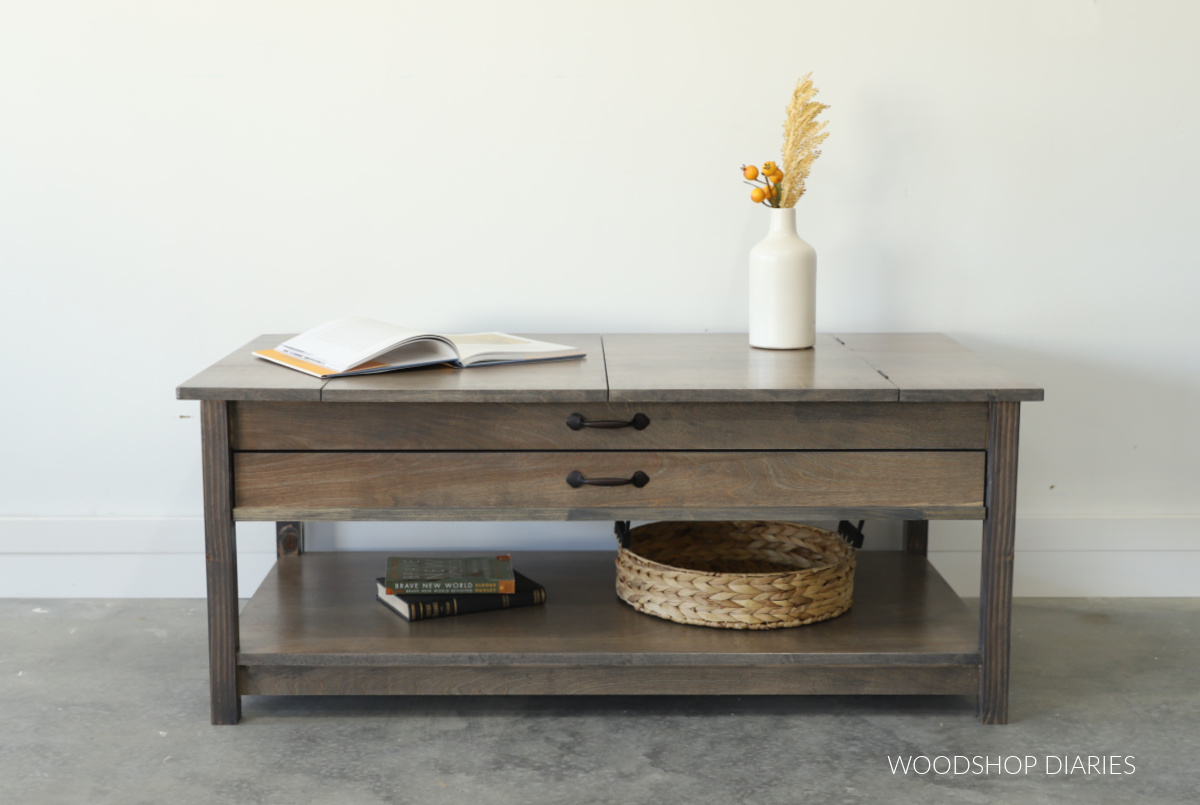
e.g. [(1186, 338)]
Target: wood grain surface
[(999, 534), (318, 611), (241, 376), (591, 680), (916, 537), (677, 426), (220, 545), (692, 367), (627, 512), (289, 538), (450, 483), (931, 367), (723, 367)]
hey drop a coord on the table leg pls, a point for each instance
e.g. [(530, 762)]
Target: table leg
[(995, 593), (220, 541), (916, 537), (289, 539)]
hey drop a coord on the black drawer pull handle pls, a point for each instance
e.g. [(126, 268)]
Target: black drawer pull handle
[(639, 479), (577, 422)]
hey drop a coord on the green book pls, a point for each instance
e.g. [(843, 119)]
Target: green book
[(423, 607), (463, 575)]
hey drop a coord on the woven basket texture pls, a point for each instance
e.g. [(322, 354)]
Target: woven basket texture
[(736, 575)]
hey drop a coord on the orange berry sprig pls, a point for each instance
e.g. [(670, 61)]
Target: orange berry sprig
[(766, 185)]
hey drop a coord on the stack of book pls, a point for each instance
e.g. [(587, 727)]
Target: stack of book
[(420, 587)]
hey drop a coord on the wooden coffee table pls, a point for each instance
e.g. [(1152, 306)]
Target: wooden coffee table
[(910, 427)]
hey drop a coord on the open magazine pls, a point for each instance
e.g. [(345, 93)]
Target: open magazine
[(354, 345)]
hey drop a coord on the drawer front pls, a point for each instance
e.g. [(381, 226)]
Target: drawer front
[(451, 486), (699, 426)]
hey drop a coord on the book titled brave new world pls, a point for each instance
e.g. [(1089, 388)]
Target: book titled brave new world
[(423, 607), (423, 575)]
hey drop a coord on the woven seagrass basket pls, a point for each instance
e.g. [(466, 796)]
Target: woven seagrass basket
[(736, 575)]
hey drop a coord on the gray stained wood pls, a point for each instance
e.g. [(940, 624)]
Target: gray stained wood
[(561, 680), (790, 513), (931, 367), (319, 609), (672, 426), (916, 537), (697, 367), (451, 482), (241, 376), (221, 560), (289, 538), (861, 426), (723, 367), (999, 534), (550, 381)]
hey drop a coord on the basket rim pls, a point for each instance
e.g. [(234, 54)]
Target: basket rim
[(770, 574)]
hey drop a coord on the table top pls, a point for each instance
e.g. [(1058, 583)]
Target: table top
[(691, 367)]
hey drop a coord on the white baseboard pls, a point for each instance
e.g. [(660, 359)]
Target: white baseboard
[(1091, 557), (164, 557), (1084, 574)]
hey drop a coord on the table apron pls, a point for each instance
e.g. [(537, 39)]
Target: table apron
[(475, 485), (560, 426)]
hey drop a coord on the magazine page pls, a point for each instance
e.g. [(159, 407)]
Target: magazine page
[(423, 352), (502, 347), (344, 343)]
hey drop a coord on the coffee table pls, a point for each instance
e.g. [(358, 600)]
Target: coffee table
[(909, 427)]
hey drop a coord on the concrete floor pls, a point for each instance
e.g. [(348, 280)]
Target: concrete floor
[(106, 702)]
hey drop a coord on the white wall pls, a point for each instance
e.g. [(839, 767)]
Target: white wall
[(176, 178)]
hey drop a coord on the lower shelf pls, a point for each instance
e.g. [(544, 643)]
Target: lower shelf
[(314, 627)]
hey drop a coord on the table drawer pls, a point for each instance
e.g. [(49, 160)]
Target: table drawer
[(544, 426), (451, 486)]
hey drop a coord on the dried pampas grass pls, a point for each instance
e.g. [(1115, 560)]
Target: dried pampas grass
[(801, 136)]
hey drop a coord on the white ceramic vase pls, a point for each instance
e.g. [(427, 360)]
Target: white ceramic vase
[(783, 287)]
